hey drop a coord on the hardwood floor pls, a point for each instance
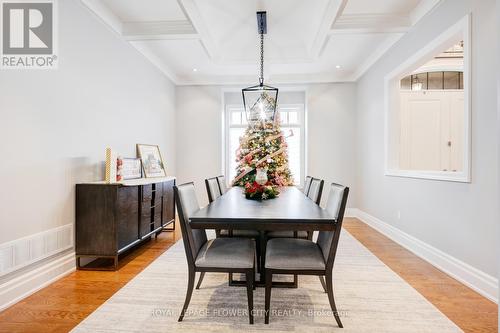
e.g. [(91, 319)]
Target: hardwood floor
[(466, 308), (63, 304)]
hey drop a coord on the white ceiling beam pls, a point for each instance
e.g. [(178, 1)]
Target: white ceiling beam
[(332, 13), (159, 30), (194, 16), (371, 23)]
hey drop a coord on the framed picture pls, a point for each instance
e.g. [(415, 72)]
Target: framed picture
[(152, 163), (131, 168)]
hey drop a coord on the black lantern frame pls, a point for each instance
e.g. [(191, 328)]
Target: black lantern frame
[(260, 96)]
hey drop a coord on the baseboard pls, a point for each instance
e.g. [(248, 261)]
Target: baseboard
[(22, 286), (483, 283), (351, 212)]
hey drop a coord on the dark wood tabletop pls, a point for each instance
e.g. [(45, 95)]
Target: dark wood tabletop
[(291, 210)]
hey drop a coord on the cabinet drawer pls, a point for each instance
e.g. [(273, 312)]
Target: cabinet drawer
[(157, 218), (168, 201), (151, 190), (157, 202), (147, 192), (158, 188), (145, 218)]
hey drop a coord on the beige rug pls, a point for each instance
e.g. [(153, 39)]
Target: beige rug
[(370, 296)]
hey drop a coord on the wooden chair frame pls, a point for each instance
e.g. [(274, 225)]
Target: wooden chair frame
[(327, 273), (192, 268)]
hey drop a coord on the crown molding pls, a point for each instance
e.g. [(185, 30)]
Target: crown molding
[(422, 9), (104, 14)]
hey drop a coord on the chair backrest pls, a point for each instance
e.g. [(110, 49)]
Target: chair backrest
[(315, 190), (213, 189), (187, 204), (307, 185), (328, 240), (222, 184)]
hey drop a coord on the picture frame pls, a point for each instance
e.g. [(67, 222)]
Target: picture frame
[(151, 160), (131, 168)]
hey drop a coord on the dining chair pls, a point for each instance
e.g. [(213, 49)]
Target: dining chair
[(300, 234), (231, 255), (222, 184), (213, 189), (305, 257), (314, 187), (316, 190), (307, 185)]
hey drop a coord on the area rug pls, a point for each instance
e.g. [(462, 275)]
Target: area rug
[(369, 295)]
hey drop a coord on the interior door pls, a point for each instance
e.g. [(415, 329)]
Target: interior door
[(457, 130), (424, 130)]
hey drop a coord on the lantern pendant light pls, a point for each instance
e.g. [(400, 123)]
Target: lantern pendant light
[(260, 101)]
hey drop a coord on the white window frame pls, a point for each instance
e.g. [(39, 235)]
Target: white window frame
[(301, 108), (392, 105), (302, 126)]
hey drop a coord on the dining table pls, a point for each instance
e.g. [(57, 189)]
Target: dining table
[(292, 210)]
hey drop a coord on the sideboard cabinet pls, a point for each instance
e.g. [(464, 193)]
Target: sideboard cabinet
[(112, 218)]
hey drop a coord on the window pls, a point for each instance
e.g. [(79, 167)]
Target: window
[(428, 110), (291, 117)]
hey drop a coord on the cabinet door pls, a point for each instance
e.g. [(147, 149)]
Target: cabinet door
[(168, 201), (127, 215)]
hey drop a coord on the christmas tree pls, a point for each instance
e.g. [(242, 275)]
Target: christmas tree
[(263, 146)]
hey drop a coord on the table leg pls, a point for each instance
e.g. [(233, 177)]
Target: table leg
[(262, 244)]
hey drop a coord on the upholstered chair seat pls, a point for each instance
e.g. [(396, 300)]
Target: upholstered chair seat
[(227, 253), (295, 254)]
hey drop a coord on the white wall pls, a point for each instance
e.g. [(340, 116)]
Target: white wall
[(55, 125), (457, 218), (198, 135), (331, 136), (498, 119), (330, 141)]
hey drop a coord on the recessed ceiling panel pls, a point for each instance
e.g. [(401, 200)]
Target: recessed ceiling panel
[(291, 26), (145, 10), (217, 42)]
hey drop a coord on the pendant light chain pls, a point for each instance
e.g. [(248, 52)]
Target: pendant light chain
[(261, 79)]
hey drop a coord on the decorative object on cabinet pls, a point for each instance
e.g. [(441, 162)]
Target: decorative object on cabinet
[(119, 168), (110, 168), (152, 162), (113, 218), (131, 168)]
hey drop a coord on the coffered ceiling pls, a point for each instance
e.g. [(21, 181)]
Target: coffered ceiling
[(216, 41)]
